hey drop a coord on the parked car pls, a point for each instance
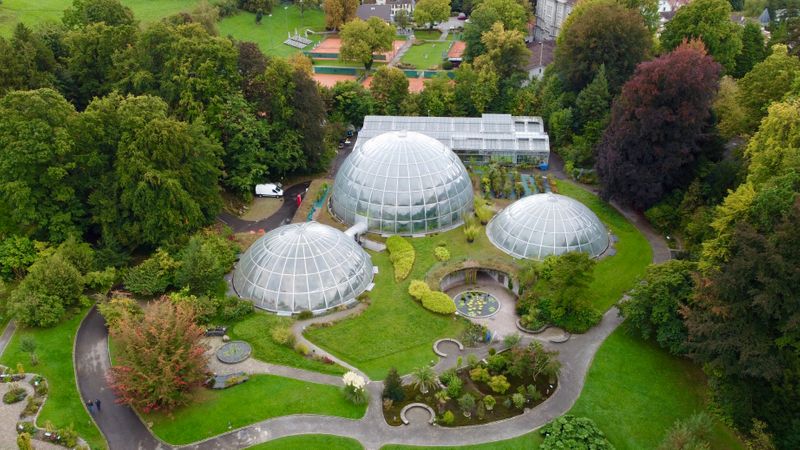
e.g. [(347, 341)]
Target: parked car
[(347, 141), (269, 190)]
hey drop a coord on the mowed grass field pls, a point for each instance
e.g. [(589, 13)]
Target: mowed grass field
[(310, 441), (32, 12), (273, 30), (427, 55)]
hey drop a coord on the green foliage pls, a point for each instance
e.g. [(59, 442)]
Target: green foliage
[(424, 378), (203, 262), (339, 12), (489, 401), (86, 12), (438, 302), (428, 12), (116, 308), (601, 33), (448, 418), (482, 210), (153, 276), (709, 21), (402, 255), (732, 115), (560, 123), (101, 281), (350, 102), (480, 374), (577, 433), (17, 253), (466, 402), (499, 384), (774, 151), (518, 400), (512, 14), (441, 253), (455, 387), (418, 289), (283, 335), (563, 298), (14, 395), (753, 49), (393, 386), (389, 88), (24, 441), (51, 286), (655, 304), (768, 82), (362, 39)]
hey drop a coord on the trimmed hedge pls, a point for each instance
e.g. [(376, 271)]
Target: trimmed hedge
[(438, 302), (402, 255), (441, 253), (418, 289)]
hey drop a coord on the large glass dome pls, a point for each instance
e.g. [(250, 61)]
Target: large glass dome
[(547, 224), (304, 266), (402, 183)]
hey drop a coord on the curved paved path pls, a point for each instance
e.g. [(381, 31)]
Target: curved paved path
[(124, 430), (283, 214)]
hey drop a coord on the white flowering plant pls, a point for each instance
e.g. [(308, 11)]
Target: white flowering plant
[(355, 388)]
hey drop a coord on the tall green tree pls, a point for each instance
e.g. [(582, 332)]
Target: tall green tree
[(476, 87), (769, 81), (90, 61), (655, 304), (438, 97), (361, 40), (563, 298), (775, 150), (339, 12), (753, 49), (389, 88), (709, 21), (649, 11), (511, 13), (39, 166), (601, 33), (51, 287), (659, 127), (429, 12), (26, 62), (350, 102), (87, 12), (505, 51)]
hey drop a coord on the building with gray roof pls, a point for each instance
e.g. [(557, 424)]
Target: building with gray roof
[(491, 137)]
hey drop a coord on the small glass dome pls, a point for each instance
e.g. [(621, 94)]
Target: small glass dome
[(547, 224), (303, 266), (402, 183)]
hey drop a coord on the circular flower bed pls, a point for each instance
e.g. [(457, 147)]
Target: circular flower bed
[(476, 304), (234, 352)]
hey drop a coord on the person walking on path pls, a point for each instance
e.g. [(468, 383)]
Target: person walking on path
[(97, 404), (90, 406)]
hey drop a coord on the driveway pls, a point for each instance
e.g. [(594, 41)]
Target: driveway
[(282, 216)]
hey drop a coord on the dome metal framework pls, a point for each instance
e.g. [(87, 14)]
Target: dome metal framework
[(540, 225), (304, 266), (402, 183)]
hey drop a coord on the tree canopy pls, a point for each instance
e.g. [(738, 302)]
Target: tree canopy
[(339, 12), (511, 13), (658, 125), (361, 40), (428, 12)]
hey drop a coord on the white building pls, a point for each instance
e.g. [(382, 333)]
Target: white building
[(550, 15)]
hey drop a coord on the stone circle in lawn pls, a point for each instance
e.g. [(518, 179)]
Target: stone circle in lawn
[(476, 304), (234, 352)]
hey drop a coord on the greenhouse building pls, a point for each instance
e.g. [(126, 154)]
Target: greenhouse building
[(304, 266), (540, 225), (402, 183)]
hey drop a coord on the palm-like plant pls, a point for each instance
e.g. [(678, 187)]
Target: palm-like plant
[(424, 379), (441, 398)]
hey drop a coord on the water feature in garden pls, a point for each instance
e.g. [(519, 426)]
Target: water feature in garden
[(476, 304)]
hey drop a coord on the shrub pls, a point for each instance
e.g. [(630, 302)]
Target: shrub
[(499, 384), (511, 340), (448, 418), (52, 285), (448, 376), (479, 374), (471, 232), (455, 387), (489, 401), (402, 255), (32, 406), (153, 276), (497, 363), (418, 289), (203, 263), (466, 402), (118, 307), (69, 437), (438, 302), (574, 433), (204, 308), (393, 386), (301, 348), (14, 395), (24, 441), (226, 7), (519, 400), (355, 389), (441, 253), (283, 335), (101, 281), (305, 315), (482, 211), (232, 308), (693, 432)]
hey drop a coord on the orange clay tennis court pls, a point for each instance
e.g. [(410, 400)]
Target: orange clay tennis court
[(334, 44), (329, 80), (415, 85)]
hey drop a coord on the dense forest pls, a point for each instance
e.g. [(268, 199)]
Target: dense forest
[(118, 139)]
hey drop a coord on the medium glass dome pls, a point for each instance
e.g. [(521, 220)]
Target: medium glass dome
[(303, 266), (547, 224), (402, 183)]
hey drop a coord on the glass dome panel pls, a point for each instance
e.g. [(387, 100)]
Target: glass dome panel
[(304, 266), (422, 180), (547, 224)]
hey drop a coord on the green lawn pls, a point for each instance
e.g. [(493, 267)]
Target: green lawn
[(528, 441), (396, 331), (635, 391), (272, 32), (54, 347), (427, 55), (256, 330), (32, 12), (614, 275), (260, 398), (310, 441)]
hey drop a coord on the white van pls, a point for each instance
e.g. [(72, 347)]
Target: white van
[(269, 190)]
